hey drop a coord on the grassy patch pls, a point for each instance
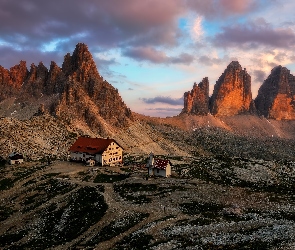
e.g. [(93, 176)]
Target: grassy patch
[(208, 210), (131, 192), (62, 224), (5, 212), (9, 238), (6, 183), (105, 178), (46, 191), (135, 241), (117, 227)]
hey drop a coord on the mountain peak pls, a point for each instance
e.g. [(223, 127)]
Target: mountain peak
[(196, 101), (275, 97), (232, 92), (234, 64), (81, 63)]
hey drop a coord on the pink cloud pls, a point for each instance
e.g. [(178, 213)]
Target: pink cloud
[(238, 6), (215, 9), (253, 34), (156, 56)]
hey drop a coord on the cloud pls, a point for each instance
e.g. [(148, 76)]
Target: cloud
[(163, 99), (197, 29), (108, 23), (11, 57), (218, 9), (259, 75), (210, 61), (165, 109), (255, 34), (155, 56)]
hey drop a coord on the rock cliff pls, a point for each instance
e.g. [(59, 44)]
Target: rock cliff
[(75, 92), (196, 101), (276, 95), (232, 92)]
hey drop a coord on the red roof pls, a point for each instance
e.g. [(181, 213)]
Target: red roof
[(91, 145), (161, 164)]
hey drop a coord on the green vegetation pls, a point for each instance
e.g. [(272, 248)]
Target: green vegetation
[(117, 227), (46, 191), (135, 241), (106, 178), (6, 183), (9, 238), (64, 223), (5, 212), (208, 210)]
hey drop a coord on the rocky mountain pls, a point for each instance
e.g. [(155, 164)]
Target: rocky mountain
[(196, 101), (75, 92), (275, 97), (232, 92)]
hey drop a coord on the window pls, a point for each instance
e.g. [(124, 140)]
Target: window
[(158, 171)]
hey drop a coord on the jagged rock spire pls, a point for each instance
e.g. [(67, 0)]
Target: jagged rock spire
[(196, 101), (232, 92), (276, 96)]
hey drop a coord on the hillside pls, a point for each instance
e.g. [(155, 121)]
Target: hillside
[(233, 174)]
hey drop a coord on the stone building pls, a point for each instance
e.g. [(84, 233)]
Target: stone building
[(15, 158), (102, 151), (158, 167)]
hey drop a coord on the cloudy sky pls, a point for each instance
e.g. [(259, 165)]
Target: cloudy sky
[(153, 50)]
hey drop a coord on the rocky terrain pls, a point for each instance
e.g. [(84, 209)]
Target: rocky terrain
[(211, 202), (233, 163), (75, 93), (276, 95)]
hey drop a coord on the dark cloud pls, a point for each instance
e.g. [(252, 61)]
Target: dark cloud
[(11, 57), (156, 56), (218, 9), (281, 56), (255, 34), (165, 109), (163, 99), (259, 76), (209, 61), (105, 22)]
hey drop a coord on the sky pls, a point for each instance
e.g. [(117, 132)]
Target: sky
[(153, 51)]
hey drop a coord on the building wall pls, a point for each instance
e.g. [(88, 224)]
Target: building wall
[(113, 154), (77, 156), (12, 162), (160, 172), (168, 170)]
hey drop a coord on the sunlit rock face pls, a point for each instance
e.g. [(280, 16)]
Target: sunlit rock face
[(276, 95), (74, 92), (196, 101), (89, 98), (232, 92), (12, 80)]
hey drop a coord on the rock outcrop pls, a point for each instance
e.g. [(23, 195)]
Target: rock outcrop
[(276, 96), (232, 92), (12, 80), (196, 101), (75, 92), (88, 97)]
